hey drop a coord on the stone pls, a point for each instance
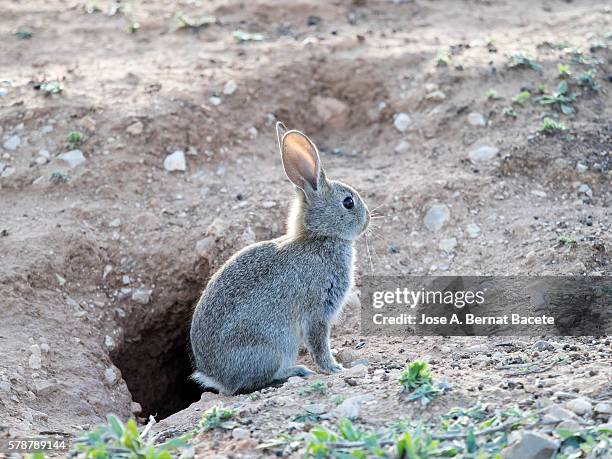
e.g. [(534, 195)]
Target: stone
[(215, 100), (142, 296), (357, 371), (5, 386), (580, 406), (41, 160), (436, 96), (473, 230), (230, 88), (436, 217), (346, 356), (350, 407), (240, 434), (109, 342), (331, 111), (448, 244), (402, 121), (532, 445), (204, 247), (558, 413), (74, 158), (115, 223), (147, 220), (581, 167), (135, 128), (44, 347), (570, 425), (35, 362), (110, 376), (12, 143), (542, 345), (43, 388), (585, 189), (136, 408), (7, 172), (483, 154), (604, 408), (402, 148), (476, 119), (175, 161), (315, 408)]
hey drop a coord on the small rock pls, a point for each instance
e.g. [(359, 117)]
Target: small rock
[(110, 376), (542, 345), (115, 223), (215, 100), (240, 434), (60, 280), (107, 270), (7, 172), (483, 153), (125, 279), (346, 356), (448, 244), (581, 167), (175, 161), (44, 388), (5, 386), (436, 217), (315, 408), (538, 193), (473, 230), (44, 347), (585, 189), (41, 160), (476, 119), (136, 408), (44, 154), (73, 158), (142, 296), (358, 371), (12, 143), (572, 426), (402, 147), (580, 406), (604, 408), (436, 96), (268, 204), (332, 112), (35, 362), (135, 128), (402, 121), (356, 362), (558, 413), (252, 132), (350, 407), (204, 247), (532, 445), (88, 123), (230, 88), (109, 342)]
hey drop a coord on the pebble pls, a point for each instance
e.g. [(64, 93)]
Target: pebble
[(532, 445), (135, 128), (448, 244), (473, 230), (581, 167), (483, 153), (315, 408), (580, 406), (115, 223), (44, 347), (230, 88), (73, 158), (402, 147), (41, 160), (585, 189), (44, 388), (109, 342), (12, 143), (402, 121), (436, 217), (142, 296), (35, 362), (570, 425), (110, 376), (476, 119), (331, 111), (8, 171), (436, 96), (558, 413), (357, 371), (175, 161), (604, 408), (5, 386), (204, 247), (240, 434), (215, 100), (542, 346), (350, 407)]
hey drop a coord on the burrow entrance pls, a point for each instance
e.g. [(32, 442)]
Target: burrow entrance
[(155, 362)]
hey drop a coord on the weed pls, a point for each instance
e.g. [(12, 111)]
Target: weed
[(58, 177), (521, 60), (491, 94), (521, 98), (133, 27), (563, 71), (23, 34), (590, 442), (214, 417), (49, 87), (586, 79), (241, 36), (75, 138), (317, 387), (550, 126), (566, 240), (116, 439), (509, 112), (442, 59), (186, 22), (542, 89), (338, 399), (561, 99), (347, 442), (416, 383)]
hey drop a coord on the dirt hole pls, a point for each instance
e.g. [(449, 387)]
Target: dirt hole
[(156, 363)]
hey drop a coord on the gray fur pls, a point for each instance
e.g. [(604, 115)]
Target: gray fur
[(272, 296)]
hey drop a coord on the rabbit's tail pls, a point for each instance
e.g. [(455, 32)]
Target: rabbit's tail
[(206, 382)]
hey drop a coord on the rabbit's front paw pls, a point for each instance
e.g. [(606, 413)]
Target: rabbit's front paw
[(333, 368)]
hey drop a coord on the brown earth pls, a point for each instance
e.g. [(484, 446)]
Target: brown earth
[(80, 248)]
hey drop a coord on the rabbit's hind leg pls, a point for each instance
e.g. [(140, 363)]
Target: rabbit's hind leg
[(297, 370)]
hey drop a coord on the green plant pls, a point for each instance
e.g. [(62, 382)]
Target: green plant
[(566, 240), (241, 36), (75, 138), (338, 399), (59, 177), (417, 384), (521, 60), (550, 126), (521, 98), (419, 444), (118, 440), (348, 442), (590, 442), (586, 79), (23, 34), (563, 70), (509, 112), (491, 94), (133, 27), (49, 87), (442, 59), (186, 22), (561, 99), (317, 387), (214, 417)]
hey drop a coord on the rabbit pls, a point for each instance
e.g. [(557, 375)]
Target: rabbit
[(273, 296)]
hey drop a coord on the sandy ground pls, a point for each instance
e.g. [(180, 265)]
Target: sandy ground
[(101, 263)]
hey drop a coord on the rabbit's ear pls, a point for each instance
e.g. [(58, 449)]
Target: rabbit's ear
[(300, 160)]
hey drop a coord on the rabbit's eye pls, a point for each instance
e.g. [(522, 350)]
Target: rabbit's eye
[(348, 202)]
